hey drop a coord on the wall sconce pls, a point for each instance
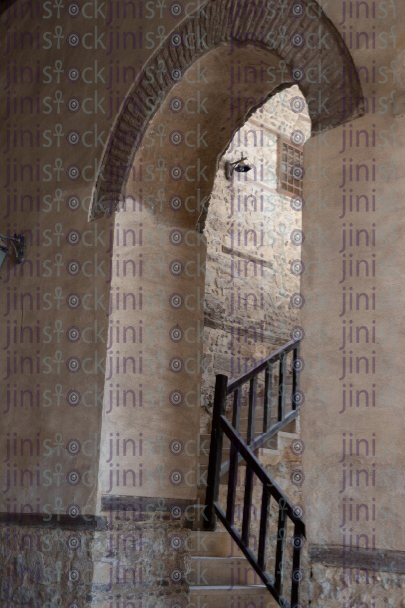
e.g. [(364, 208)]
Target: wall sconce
[(18, 244), (239, 166)]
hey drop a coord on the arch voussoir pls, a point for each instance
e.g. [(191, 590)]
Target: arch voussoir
[(222, 26)]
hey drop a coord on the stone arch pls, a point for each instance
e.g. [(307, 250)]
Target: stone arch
[(249, 27), (172, 261), (158, 283)]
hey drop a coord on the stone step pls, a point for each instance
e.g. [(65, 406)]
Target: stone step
[(293, 426), (253, 596), (269, 457), (284, 441), (203, 458), (258, 424), (202, 477), (226, 455), (222, 571), (265, 456), (278, 445), (204, 571), (213, 544)]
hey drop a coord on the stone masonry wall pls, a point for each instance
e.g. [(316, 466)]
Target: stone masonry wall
[(126, 559)]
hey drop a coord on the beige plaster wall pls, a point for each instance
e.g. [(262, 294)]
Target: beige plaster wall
[(51, 422), (374, 494)]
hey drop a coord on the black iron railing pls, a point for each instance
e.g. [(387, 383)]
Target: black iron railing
[(241, 450)]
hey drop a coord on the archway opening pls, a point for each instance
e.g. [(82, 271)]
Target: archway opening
[(162, 171), (159, 260), (253, 261)]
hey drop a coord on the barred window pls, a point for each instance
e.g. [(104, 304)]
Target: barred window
[(290, 168)]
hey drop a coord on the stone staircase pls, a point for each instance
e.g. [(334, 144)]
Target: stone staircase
[(216, 572), (221, 575), (161, 557)]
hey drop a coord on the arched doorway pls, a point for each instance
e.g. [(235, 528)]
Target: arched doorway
[(162, 168)]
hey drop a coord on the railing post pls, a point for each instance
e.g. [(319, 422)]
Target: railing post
[(282, 387), (214, 464), (249, 479), (296, 565), (233, 459), (268, 378), (296, 378), (281, 537)]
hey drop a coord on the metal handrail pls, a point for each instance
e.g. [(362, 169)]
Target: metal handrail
[(244, 450)]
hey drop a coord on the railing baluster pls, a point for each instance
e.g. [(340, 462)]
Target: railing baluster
[(296, 377), (252, 410), (281, 388), (264, 518), (281, 534), (247, 502), (295, 587), (268, 377), (214, 464), (233, 461), (237, 398)]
